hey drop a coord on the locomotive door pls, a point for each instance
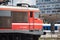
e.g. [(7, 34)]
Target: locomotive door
[(31, 21)]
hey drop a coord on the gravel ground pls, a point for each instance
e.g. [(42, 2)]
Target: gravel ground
[(50, 37)]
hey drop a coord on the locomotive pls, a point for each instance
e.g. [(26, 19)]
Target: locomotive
[(20, 23)]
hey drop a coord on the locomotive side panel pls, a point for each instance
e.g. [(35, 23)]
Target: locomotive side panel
[(5, 20), (19, 17)]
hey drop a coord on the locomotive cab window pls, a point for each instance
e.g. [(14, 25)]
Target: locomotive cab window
[(31, 14), (5, 19), (36, 15), (19, 17)]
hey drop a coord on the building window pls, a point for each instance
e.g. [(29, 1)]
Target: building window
[(47, 0), (48, 5), (36, 1), (57, 5), (53, 11), (47, 8), (48, 11), (43, 11)]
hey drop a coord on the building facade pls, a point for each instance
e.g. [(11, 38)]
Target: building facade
[(48, 6)]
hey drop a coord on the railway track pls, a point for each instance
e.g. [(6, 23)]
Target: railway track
[(17, 36)]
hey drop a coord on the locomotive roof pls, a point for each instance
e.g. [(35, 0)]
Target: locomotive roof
[(17, 8)]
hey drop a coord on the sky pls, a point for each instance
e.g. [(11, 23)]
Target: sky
[(31, 2)]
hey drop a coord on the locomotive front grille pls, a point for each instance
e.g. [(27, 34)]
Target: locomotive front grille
[(19, 17)]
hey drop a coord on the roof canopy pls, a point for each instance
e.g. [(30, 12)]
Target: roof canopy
[(16, 8)]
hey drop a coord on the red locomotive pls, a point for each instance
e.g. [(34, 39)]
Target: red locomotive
[(20, 23)]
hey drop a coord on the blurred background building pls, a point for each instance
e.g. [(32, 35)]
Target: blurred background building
[(50, 9), (48, 6)]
